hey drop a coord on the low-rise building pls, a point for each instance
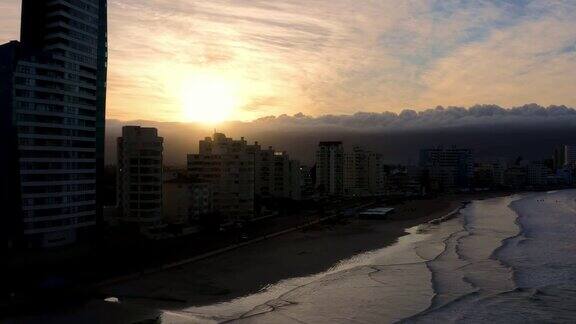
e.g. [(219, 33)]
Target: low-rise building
[(185, 200)]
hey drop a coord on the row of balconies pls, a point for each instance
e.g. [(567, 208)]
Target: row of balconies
[(42, 141), (33, 228)]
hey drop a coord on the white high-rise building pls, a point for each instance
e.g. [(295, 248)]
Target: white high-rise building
[(139, 177)]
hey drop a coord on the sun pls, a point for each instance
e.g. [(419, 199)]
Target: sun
[(208, 98)]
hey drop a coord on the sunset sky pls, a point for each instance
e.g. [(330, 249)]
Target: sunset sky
[(212, 60)]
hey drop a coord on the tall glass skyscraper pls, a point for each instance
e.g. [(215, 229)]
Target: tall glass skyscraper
[(52, 107)]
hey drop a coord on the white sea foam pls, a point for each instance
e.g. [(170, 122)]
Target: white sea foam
[(529, 276)]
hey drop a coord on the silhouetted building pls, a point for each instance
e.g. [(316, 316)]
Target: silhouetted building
[(570, 156), (330, 168), (275, 174), (515, 177), (296, 183), (139, 177), (539, 174), (307, 181), (228, 165), (186, 200), (489, 173), (403, 180), (448, 168), (363, 173), (559, 157), (564, 156), (53, 90)]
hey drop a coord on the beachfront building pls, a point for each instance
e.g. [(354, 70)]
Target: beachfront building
[(286, 177), (515, 176), (139, 177), (52, 94), (275, 174), (263, 170), (559, 157), (570, 156), (306, 177), (564, 163), (228, 166), (363, 173), (490, 173), (447, 169), (296, 182), (539, 174), (186, 200), (330, 168)]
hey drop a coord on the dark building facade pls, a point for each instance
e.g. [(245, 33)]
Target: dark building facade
[(53, 97), (330, 168), (447, 168)]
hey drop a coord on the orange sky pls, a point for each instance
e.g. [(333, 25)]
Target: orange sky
[(177, 60)]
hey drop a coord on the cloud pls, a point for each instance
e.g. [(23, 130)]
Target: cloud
[(336, 57), (526, 62), (429, 119), (9, 20), (492, 131)]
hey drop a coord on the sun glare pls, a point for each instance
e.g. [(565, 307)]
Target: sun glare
[(208, 98)]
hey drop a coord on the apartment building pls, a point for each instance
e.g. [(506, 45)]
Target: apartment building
[(363, 173), (139, 177), (228, 165), (186, 200), (448, 168), (53, 96), (330, 168)]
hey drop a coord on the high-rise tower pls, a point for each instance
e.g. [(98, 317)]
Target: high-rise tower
[(52, 106), (330, 168), (139, 177)]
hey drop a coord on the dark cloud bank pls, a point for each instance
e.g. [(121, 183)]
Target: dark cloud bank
[(492, 131)]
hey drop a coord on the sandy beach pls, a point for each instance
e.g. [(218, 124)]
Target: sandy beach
[(249, 269), (283, 262)]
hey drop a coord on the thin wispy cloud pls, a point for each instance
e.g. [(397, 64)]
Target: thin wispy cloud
[(336, 57)]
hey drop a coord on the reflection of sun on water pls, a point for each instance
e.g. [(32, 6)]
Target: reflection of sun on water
[(208, 98)]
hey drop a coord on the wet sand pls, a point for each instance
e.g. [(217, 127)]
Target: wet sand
[(249, 269)]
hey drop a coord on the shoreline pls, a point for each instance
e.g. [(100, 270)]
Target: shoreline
[(252, 267), (220, 276), (214, 253)]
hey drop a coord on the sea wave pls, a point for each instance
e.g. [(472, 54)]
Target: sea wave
[(518, 257)]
